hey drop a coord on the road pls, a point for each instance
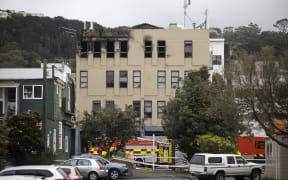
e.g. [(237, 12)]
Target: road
[(172, 178)]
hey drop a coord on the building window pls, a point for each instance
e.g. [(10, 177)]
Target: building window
[(137, 108), (160, 107), (174, 79), (148, 49), (188, 49), (148, 109), (32, 92), (60, 135), (110, 49), (136, 79), (97, 49), (123, 79), (84, 49), (96, 106), (109, 79), (161, 79), (124, 49), (83, 79), (216, 60), (161, 49), (110, 106)]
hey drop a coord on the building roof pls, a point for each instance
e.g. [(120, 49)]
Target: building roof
[(145, 26)]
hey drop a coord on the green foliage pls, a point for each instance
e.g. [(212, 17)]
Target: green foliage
[(3, 139), (215, 144), (282, 25), (201, 107), (25, 138), (106, 127), (19, 58)]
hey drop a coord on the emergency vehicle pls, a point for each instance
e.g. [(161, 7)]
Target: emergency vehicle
[(252, 148)]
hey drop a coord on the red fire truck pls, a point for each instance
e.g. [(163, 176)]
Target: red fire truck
[(252, 148)]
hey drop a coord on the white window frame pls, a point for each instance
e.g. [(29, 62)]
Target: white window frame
[(66, 143), (60, 135), (54, 140), (33, 92), (60, 94), (68, 98)]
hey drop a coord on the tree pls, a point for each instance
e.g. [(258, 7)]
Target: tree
[(3, 139), (215, 32), (282, 25), (262, 90), (214, 144), (25, 138), (198, 108), (107, 127)]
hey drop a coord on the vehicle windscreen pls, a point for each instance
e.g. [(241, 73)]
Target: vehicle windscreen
[(198, 159), (62, 173)]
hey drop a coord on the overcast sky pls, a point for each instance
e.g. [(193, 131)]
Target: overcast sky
[(112, 13)]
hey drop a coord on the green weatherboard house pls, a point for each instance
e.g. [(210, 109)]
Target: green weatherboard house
[(21, 90)]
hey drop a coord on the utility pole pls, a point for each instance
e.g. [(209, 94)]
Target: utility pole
[(44, 103)]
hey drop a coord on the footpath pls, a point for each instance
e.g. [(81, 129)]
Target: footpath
[(157, 173)]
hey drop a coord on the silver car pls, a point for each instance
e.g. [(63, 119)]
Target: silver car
[(34, 172), (91, 169), (115, 170)]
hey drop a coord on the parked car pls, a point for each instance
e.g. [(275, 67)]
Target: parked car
[(44, 172), (115, 170), (21, 177), (73, 172), (91, 169), (219, 166)]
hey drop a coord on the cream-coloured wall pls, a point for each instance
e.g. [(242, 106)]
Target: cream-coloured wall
[(149, 67)]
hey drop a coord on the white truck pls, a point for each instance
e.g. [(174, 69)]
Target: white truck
[(219, 166)]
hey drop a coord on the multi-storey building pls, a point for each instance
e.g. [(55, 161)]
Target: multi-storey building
[(216, 47), (21, 90), (140, 66)]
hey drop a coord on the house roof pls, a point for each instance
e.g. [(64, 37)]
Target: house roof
[(34, 73)]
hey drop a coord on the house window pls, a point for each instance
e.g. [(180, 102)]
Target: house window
[(136, 79), (160, 107), (110, 106), (174, 79), (148, 49), (123, 79), (97, 49), (161, 79), (83, 79), (110, 49), (109, 79), (137, 108), (188, 49), (216, 59), (124, 49), (68, 98), (60, 96), (161, 49), (66, 143), (32, 91), (96, 106), (60, 135), (148, 109)]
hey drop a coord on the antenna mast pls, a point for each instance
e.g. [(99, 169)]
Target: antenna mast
[(186, 4)]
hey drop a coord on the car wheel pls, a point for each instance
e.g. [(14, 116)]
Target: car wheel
[(220, 176), (256, 175), (92, 176), (114, 174)]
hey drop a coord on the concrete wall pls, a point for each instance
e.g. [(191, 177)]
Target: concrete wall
[(149, 67)]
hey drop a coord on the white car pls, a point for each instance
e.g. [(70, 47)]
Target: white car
[(34, 172), (219, 166)]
